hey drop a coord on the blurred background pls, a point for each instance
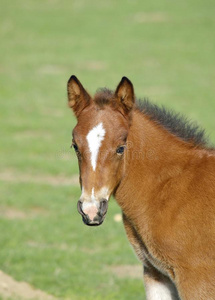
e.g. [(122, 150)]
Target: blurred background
[(165, 47)]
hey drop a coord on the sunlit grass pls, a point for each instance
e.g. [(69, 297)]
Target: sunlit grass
[(165, 48)]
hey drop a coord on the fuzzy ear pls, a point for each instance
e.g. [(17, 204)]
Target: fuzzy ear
[(78, 98), (125, 94)]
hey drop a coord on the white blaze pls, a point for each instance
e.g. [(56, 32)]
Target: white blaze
[(94, 139), (92, 200), (93, 195)]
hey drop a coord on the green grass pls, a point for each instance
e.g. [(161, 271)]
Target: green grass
[(165, 47)]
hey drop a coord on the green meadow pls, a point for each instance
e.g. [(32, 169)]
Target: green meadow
[(166, 48)]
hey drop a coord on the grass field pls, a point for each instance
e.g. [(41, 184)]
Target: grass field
[(166, 48)]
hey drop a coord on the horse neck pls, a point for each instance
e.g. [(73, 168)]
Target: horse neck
[(153, 156)]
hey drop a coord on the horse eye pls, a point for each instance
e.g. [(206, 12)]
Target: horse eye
[(75, 147), (120, 150)]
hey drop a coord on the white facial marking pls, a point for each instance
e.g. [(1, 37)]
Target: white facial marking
[(159, 291), (104, 192), (94, 139), (92, 200)]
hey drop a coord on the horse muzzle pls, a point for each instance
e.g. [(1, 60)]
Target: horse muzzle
[(92, 214)]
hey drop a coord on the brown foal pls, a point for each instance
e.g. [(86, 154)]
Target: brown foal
[(162, 174)]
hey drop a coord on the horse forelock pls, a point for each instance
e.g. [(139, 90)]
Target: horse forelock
[(104, 97)]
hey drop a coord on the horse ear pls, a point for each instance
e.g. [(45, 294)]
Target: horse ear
[(78, 98), (125, 94)]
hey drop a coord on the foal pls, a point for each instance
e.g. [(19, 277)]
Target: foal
[(162, 174)]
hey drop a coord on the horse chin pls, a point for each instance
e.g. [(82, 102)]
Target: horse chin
[(92, 223)]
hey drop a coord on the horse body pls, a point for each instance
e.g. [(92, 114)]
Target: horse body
[(170, 222), (164, 185)]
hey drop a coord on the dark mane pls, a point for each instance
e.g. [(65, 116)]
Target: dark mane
[(175, 123)]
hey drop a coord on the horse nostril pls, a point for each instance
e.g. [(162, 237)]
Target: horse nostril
[(103, 206), (79, 206)]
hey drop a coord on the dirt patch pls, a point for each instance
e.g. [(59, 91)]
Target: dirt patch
[(58, 180), (51, 70), (28, 134), (153, 17), (10, 288), (94, 65), (13, 213), (128, 271), (63, 246)]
